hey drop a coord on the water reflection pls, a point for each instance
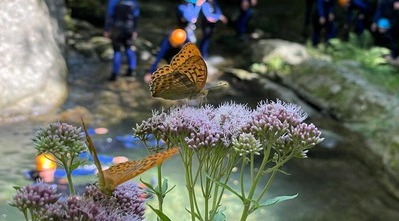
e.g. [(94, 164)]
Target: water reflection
[(332, 183)]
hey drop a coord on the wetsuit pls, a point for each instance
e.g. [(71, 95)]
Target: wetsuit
[(187, 15), (246, 12), (212, 14), (121, 22), (324, 8), (388, 39), (360, 19)]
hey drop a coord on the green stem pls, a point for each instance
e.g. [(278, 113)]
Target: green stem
[(70, 185), (208, 171), (268, 184), (69, 176), (218, 195), (216, 198), (247, 201), (160, 191), (274, 169), (207, 197), (25, 214), (32, 214), (187, 159), (242, 178), (252, 167)]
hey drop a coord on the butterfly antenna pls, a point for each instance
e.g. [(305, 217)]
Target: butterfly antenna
[(217, 85), (91, 147)]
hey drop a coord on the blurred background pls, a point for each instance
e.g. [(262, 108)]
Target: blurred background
[(55, 63)]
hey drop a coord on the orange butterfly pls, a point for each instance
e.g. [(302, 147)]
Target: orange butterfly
[(185, 77), (117, 174)]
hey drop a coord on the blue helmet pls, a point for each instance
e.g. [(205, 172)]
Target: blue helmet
[(384, 23)]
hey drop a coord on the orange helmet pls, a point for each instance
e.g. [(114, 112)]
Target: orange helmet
[(343, 3), (45, 161), (177, 37)]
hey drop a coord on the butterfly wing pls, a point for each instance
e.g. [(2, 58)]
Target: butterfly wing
[(93, 152), (195, 69), (162, 79), (186, 80), (187, 51), (173, 86), (122, 172), (184, 77)]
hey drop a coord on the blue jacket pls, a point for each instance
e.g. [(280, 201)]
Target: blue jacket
[(189, 12), (110, 13), (211, 11)]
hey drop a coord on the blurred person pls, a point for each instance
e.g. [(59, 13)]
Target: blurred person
[(387, 12), (246, 12), (383, 37), (309, 8), (212, 14), (187, 15), (356, 14), (121, 28), (323, 20), (45, 168)]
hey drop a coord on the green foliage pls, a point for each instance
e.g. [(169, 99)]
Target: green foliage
[(276, 200), (370, 58), (275, 65), (160, 214), (373, 59)]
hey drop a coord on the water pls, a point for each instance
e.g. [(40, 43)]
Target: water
[(332, 183)]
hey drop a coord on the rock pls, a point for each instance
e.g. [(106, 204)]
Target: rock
[(102, 46), (85, 48), (242, 74), (341, 90), (33, 69), (291, 53), (75, 114), (336, 89), (253, 83)]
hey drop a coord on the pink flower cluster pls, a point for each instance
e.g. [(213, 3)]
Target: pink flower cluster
[(46, 204), (210, 126)]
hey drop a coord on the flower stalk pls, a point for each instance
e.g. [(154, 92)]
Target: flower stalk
[(41, 201), (215, 139)]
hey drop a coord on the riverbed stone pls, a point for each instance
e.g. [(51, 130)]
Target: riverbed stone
[(340, 90), (290, 52), (33, 69)]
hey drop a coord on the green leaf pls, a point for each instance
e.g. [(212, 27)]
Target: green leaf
[(75, 165), (193, 213), (230, 189), (165, 185), (219, 216), (17, 188), (160, 214), (148, 185), (276, 200), (170, 189)]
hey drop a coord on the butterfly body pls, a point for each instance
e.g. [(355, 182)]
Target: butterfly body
[(185, 77)]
